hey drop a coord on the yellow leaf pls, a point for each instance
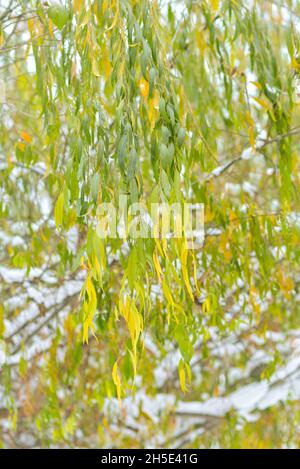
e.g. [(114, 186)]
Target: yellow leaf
[(25, 136), (96, 270), (106, 63), (182, 378), (206, 305), (289, 284), (70, 425), (114, 22), (153, 107), (167, 293), (90, 289), (252, 138), (96, 67), (2, 325), (185, 274), (200, 41), (249, 119), (157, 265), (133, 356), (189, 372), (21, 146), (263, 103), (116, 379), (104, 5)]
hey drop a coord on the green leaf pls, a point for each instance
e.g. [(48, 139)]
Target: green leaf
[(152, 76)]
